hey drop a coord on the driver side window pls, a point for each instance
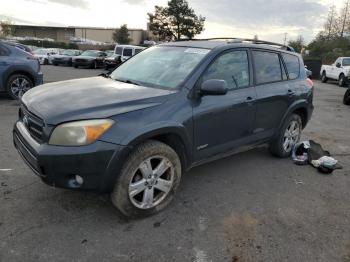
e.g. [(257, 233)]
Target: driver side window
[(233, 67)]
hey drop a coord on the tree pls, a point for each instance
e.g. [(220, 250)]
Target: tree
[(5, 28), (297, 44), (121, 35), (343, 21), (330, 26), (175, 21)]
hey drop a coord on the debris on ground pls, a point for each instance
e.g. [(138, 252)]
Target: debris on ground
[(312, 153)]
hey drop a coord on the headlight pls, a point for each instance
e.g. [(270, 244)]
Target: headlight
[(79, 133)]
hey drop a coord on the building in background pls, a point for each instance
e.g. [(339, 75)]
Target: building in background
[(65, 34)]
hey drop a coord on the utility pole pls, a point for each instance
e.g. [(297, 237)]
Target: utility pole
[(285, 38)]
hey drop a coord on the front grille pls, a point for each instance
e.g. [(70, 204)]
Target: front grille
[(33, 123)]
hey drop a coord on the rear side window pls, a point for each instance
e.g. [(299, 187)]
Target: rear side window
[(292, 64), (127, 52), (233, 67), (267, 67)]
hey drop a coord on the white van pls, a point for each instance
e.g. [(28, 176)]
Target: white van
[(127, 51)]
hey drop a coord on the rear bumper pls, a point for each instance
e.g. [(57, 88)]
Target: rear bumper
[(57, 166), (39, 79)]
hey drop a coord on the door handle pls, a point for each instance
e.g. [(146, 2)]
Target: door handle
[(290, 92), (249, 99)]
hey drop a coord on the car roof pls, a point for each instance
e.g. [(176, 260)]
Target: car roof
[(211, 44)]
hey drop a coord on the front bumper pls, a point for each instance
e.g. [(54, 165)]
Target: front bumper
[(61, 61), (84, 63), (58, 165)]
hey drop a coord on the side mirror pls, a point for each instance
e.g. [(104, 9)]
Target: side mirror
[(214, 87), (338, 65)]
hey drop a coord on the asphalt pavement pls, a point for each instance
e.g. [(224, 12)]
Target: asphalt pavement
[(247, 207)]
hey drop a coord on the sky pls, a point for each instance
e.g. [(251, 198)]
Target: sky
[(269, 19)]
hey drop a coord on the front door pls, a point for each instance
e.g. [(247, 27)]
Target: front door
[(224, 122)]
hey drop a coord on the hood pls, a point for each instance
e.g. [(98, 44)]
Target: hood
[(87, 98)]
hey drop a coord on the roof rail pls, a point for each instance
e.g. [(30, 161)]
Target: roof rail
[(241, 40)]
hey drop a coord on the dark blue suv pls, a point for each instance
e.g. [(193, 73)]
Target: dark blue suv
[(163, 111), (19, 70)]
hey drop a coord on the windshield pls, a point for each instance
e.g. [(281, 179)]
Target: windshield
[(68, 52), (41, 51), (346, 62), (89, 53), (119, 50), (162, 67)]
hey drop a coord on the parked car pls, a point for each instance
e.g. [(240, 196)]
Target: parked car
[(308, 72), (89, 58), (109, 53), (112, 61), (19, 70), (44, 55), (339, 70), (65, 58), (171, 107), (127, 51), (346, 99), (20, 46)]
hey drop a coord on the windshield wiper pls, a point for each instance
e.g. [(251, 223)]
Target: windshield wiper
[(128, 81)]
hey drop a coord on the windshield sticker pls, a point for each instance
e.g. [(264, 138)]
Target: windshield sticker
[(197, 51)]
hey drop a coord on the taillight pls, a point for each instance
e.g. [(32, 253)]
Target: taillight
[(309, 83)]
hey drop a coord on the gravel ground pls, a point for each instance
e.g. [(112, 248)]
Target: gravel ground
[(247, 207)]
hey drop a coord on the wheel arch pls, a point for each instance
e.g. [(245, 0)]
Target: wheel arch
[(175, 137)]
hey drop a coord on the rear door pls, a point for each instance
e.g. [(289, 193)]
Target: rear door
[(274, 92), (4, 64), (225, 122)]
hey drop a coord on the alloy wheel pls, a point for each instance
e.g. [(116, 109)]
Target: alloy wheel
[(151, 182), (291, 135), (19, 86)]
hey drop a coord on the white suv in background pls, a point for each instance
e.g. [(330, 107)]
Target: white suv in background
[(45, 54), (127, 51)]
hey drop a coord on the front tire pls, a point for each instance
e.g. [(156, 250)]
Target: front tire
[(289, 135), (17, 85), (324, 78), (342, 80), (148, 180), (346, 99)]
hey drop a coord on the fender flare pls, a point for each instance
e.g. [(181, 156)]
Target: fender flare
[(301, 104), (14, 69), (137, 137)]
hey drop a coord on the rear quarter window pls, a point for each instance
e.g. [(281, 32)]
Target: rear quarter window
[(267, 67), (293, 65)]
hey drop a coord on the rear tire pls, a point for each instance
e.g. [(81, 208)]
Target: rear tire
[(141, 169), (342, 80), (324, 78), (17, 85), (346, 99), (289, 135)]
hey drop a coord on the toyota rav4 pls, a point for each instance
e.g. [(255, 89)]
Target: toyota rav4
[(165, 110)]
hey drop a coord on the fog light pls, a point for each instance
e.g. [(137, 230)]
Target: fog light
[(79, 179), (75, 181)]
